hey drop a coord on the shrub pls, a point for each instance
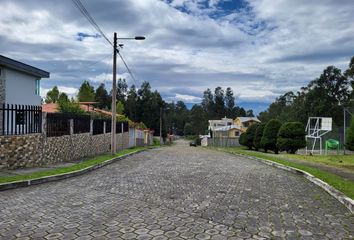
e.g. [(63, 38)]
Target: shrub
[(250, 133), (291, 137), (350, 137), (156, 142), (242, 139), (258, 136), (270, 133)]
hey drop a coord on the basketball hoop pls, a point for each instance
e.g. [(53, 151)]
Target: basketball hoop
[(316, 128)]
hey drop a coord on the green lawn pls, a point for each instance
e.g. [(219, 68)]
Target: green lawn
[(61, 170), (341, 184), (339, 161)]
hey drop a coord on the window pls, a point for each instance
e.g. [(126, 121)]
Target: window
[(246, 124), (37, 87), (237, 133), (0, 72)]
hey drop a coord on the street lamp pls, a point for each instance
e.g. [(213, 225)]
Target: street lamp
[(114, 90)]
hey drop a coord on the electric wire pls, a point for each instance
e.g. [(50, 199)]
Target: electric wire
[(92, 21)]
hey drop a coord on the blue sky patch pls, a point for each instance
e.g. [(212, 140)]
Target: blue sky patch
[(80, 36)]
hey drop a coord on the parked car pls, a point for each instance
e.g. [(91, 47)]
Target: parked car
[(193, 144)]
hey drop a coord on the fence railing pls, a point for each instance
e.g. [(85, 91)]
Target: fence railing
[(24, 119), (20, 119), (59, 124)]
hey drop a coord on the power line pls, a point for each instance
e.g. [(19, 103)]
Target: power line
[(92, 21), (128, 69)]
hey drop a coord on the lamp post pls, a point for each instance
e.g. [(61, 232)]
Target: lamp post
[(114, 90)]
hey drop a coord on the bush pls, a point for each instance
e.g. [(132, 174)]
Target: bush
[(258, 136), (242, 139), (350, 137), (291, 137), (270, 133), (156, 142), (250, 133)]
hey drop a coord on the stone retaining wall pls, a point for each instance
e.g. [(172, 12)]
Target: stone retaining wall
[(37, 150), (2, 95)]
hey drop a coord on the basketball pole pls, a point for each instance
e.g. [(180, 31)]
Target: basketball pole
[(344, 111)]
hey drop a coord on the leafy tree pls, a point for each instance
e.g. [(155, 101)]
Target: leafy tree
[(188, 129), (258, 136), (122, 89), (102, 98), (250, 135), (350, 137), (243, 139), (270, 133), (291, 137), (52, 95), (70, 107), (63, 97), (249, 113), (208, 104), (131, 104), (120, 108), (229, 102), (219, 102), (198, 119), (181, 117), (349, 73), (86, 92)]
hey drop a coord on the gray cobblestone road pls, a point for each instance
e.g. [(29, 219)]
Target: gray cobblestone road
[(176, 193)]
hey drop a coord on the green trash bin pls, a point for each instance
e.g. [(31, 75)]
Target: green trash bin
[(332, 144)]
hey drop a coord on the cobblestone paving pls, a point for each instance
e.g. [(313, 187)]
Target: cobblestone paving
[(177, 192)]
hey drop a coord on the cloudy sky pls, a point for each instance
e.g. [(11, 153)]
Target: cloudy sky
[(260, 48)]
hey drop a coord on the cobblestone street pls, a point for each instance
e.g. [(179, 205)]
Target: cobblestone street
[(177, 192)]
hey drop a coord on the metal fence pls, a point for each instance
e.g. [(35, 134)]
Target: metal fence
[(81, 123), (20, 119), (122, 127), (58, 124), (98, 126), (223, 142)]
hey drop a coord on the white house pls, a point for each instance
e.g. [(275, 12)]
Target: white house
[(19, 82), (20, 91), (213, 124)]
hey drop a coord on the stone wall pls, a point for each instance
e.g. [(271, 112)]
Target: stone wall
[(2, 94), (21, 151), (37, 150)]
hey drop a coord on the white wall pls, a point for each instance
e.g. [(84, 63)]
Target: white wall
[(21, 88)]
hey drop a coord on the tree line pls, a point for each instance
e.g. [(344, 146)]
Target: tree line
[(146, 105), (323, 97)]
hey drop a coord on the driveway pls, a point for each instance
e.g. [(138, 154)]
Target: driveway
[(177, 192)]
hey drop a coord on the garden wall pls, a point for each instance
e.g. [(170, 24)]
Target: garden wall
[(36, 150)]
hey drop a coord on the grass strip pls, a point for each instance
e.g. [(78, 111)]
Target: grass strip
[(61, 170), (339, 183)]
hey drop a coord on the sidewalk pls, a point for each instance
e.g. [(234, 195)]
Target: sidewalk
[(26, 171)]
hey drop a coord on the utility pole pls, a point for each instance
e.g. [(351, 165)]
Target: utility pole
[(114, 96), (160, 125)]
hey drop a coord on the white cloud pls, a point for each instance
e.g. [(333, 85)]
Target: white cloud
[(261, 51)]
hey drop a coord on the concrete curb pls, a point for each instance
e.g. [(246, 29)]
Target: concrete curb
[(27, 183), (341, 197)]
